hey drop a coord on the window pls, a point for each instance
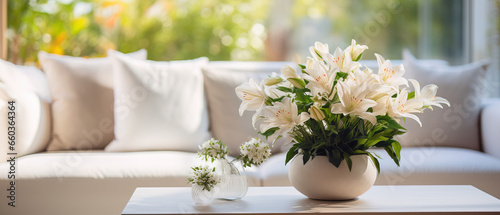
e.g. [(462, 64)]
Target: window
[(250, 29)]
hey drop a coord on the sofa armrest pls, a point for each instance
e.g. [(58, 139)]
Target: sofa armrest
[(490, 127)]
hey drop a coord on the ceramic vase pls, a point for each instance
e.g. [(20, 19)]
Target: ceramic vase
[(319, 179)]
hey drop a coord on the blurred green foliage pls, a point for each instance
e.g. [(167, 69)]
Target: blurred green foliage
[(230, 30), (168, 29)]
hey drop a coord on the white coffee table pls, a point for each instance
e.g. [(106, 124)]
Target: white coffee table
[(286, 200)]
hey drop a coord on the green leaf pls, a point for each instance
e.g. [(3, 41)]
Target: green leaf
[(397, 149), (269, 132), (317, 53), (276, 100), (391, 154), (411, 95), (341, 75), (390, 122), (291, 154), (348, 161), (284, 89), (357, 151), (305, 157), (375, 140), (361, 127), (375, 161), (334, 157), (300, 95), (359, 57), (302, 66)]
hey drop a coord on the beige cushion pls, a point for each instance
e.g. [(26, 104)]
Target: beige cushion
[(455, 126), (158, 105), (82, 107), (221, 79)]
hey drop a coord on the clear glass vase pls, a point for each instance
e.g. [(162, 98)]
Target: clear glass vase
[(234, 183), (202, 197)]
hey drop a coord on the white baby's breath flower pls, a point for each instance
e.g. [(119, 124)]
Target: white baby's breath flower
[(213, 149), (205, 177), (254, 152)]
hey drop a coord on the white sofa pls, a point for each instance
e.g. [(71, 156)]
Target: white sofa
[(98, 182)]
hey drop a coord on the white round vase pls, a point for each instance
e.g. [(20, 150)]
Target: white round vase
[(319, 179)]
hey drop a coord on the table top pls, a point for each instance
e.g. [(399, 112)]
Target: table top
[(434, 199)]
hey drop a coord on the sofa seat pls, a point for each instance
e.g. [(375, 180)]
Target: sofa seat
[(419, 166), (60, 181)]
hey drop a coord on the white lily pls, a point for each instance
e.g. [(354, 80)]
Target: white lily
[(356, 50), (252, 96), (401, 107), (365, 76), (353, 101), (283, 115), (342, 60), (428, 95), (380, 109), (320, 79), (391, 75)]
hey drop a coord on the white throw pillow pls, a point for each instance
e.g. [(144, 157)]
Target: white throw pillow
[(455, 126), (82, 106), (226, 124), (32, 122), (26, 78), (158, 105)]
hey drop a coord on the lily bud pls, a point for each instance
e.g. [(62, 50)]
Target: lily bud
[(297, 82), (316, 113), (356, 50), (289, 72), (272, 81), (310, 63)]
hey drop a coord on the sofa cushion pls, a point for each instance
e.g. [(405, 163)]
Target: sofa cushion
[(158, 105), (82, 106), (25, 78), (221, 79), (32, 122), (419, 165), (171, 166), (455, 126)]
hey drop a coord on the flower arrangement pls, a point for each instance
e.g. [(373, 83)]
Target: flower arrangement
[(336, 108), (204, 177)]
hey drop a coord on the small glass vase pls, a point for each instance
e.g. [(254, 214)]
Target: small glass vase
[(202, 197), (234, 183)]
